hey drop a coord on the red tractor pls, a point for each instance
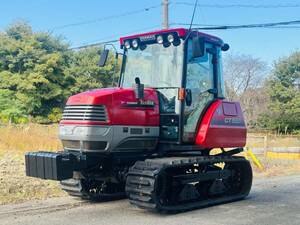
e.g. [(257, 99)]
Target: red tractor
[(150, 138)]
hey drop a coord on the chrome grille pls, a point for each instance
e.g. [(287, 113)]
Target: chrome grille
[(85, 112)]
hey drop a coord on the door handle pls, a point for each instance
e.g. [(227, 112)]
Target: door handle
[(188, 97)]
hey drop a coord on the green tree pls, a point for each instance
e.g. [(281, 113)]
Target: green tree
[(88, 75), (38, 72), (32, 67), (284, 93)]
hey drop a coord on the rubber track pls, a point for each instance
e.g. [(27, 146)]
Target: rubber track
[(74, 188), (140, 184)]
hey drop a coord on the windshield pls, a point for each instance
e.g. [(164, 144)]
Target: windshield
[(156, 66)]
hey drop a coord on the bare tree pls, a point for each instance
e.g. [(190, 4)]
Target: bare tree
[(244, 82)]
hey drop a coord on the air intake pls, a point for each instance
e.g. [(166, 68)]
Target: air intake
[(85, 112)]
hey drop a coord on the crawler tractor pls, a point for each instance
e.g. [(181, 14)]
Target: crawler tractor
[(150, 138)]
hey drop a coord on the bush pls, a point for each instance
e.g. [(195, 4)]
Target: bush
[(55, 115)]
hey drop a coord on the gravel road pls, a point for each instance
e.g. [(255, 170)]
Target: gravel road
[(273, 201)]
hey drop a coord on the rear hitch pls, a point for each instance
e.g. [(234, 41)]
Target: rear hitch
[(230, 152)]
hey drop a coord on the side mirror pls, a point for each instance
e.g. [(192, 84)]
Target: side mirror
[(198, 47), (103, 57), (188, 97), (225, 47)]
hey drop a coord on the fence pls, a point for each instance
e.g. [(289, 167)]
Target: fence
[(275, 146)]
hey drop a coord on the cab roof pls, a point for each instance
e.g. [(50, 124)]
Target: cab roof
[(182, 33)]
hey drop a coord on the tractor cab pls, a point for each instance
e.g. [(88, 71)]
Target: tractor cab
[(184, 68)]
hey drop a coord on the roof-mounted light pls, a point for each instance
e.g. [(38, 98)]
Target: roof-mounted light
[(135, 43), (127, 44), (160, 39), (171, 38)]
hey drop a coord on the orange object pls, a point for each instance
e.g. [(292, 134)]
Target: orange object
[(181, 94)]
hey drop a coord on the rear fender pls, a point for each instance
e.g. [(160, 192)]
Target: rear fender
[(222, 126)]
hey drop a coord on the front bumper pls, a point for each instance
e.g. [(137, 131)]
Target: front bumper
[(86, 138), (101, 138)]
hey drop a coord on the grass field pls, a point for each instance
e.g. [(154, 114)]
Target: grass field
[(14, 142), (16, 187)]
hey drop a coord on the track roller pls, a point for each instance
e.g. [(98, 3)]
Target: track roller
[(93, 190)]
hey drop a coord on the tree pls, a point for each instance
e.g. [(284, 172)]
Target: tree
[(88, 75), (32, 69), (284, 92), (244, 82), (38, 73)]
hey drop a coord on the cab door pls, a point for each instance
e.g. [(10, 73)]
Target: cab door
[(199, 83)]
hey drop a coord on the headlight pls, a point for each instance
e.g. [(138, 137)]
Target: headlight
[(171, 38), (135, 43), (160, 39), (127, 44)]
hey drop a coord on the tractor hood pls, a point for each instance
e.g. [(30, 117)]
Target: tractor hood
[(121, 105)]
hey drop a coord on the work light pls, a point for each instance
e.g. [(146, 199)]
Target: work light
[(135, 43), (127, 44), (160, 39), (171, 38)]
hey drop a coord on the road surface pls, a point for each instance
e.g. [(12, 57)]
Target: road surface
[(273, 201)]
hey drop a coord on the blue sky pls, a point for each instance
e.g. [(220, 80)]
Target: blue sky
[(267, 44)]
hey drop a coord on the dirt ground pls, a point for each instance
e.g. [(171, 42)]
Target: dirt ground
[(272, 201), (14, 142), (16, 187)]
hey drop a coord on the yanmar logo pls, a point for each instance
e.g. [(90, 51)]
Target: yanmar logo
[(147, 38)]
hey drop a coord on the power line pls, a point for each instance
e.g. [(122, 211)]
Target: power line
[(93, 45), (146, 9), (283, 27), (284, 24), (112, 38), (256, 6), (279, 25), (220, 27), (123, 34)]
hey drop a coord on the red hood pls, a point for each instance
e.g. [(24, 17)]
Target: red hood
[(119, 112), (93, 97)]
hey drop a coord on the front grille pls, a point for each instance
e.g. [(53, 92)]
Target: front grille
[(85, 112), (71, 144), (138, 144), (86, 145)]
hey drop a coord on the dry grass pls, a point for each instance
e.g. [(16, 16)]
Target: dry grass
[(276, 167), (14, 142), (271, 140), (19, 139), (16, 187)]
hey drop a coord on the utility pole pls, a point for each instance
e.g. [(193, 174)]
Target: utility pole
[(165, 14)]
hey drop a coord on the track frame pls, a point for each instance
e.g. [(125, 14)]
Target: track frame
[(148, 180)]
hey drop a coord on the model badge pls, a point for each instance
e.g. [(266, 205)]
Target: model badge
[(228, 120), (140, 103)]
